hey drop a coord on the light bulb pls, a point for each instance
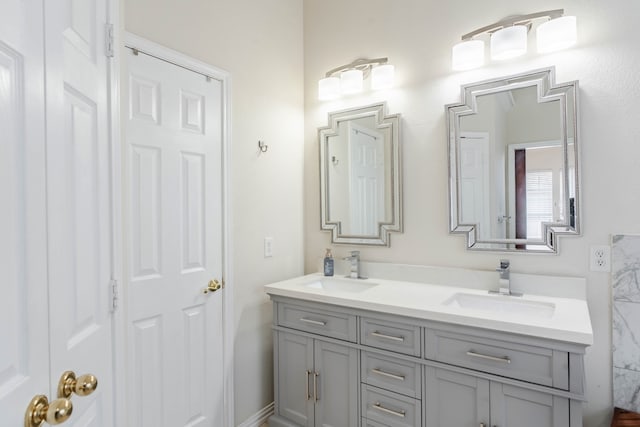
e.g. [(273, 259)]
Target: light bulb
[(382, 77), (467, 55), (509, 42), (351, 81), (328, 88), (556, 34)]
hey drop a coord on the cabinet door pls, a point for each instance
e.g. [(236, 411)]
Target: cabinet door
[(336, 367), (455, 400), (518, 407), (295, 372)]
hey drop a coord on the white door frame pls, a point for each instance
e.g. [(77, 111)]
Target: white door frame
[(182, 60)]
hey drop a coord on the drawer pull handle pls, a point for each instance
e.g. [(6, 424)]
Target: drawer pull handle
[(387, 374), (387, 337), (381, 408), (504, 359), (313, 322)]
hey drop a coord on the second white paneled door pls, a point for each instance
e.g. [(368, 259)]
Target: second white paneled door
[(174, 244), (79, 201), (56, 253)]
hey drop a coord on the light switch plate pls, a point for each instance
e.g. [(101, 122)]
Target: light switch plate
[(268, 247)]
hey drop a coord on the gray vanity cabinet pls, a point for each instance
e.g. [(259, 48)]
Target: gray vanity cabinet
[(316, 380), (345, 367), (461, 400)]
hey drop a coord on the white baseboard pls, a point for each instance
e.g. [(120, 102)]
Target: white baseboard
[(259, 418)]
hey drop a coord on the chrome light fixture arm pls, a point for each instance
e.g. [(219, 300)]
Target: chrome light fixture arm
[(362, 64), (514, 20)]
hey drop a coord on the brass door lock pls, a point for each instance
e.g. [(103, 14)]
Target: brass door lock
[(40, 411)]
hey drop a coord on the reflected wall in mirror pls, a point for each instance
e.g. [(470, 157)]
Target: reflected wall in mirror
[(360, 185), (513, 163)]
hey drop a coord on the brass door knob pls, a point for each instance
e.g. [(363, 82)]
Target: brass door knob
[(213, 286), (83, 385), (40, 411)]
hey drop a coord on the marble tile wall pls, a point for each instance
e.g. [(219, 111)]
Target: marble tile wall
[(625, 277)]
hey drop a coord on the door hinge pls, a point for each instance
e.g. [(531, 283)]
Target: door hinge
[(108, 40), (113, 287)]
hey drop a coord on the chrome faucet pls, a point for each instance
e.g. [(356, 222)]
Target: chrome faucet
[(354, 270), (504, 283)]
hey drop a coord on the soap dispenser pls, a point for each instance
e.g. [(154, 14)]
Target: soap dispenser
[(328, 263)]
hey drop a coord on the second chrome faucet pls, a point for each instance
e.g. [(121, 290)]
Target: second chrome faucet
[(504, 282), (354, 268)]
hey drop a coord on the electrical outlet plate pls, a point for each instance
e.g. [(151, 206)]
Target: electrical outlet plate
[(600, 258)]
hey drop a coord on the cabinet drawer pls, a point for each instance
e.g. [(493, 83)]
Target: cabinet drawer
[(369, 423), (390, 409), (391, 374), (398, 337), (530, 363), (322, 322)]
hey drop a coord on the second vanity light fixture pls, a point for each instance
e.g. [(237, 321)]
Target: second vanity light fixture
[(348, 79), (509, 38)]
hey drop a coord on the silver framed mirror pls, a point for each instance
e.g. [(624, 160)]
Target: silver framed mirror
[(514, 182), (360, 178)]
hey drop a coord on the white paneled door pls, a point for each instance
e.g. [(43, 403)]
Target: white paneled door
[(173, 186), (24, 332), (56, 257), (79, 200), (366, 180)]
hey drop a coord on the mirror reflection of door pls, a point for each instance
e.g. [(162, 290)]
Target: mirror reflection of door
[(474, 181), (366, 179), (525, 116), (536, 187)]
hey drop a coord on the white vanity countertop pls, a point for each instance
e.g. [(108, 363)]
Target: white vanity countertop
[(569, 322)]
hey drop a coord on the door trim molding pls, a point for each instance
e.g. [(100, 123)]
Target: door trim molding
[(118, 319), (161, 52)]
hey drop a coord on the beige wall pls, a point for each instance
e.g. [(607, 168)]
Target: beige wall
[(417, 36), (260, 44)]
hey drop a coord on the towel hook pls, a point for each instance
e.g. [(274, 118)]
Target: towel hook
[(262, 146)]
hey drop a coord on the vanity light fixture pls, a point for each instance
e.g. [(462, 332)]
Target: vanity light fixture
[(348, 79), (509, 38)]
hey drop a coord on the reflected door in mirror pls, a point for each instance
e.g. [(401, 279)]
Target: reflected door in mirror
[(513, 163), (359, 176)]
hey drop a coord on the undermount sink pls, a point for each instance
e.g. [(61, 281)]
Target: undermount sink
[(341, 285), (518, 306)]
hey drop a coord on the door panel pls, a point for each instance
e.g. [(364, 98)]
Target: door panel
[(174, 229), (78, 201), (455, 400), (24, 370), (295, 372), (337, 366), (513, 406)]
